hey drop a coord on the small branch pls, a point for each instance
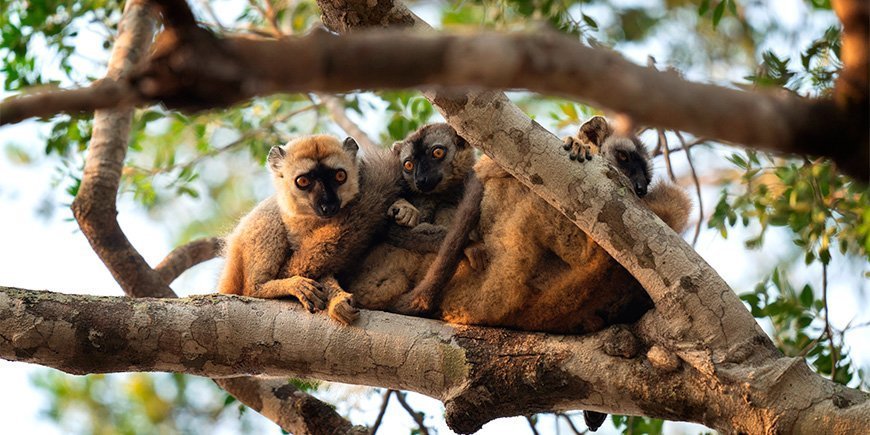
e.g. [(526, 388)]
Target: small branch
[(570, 422), (665, 148), (685, 148), (337, 112), (400, 395), (828, 330), (244, 138), (186, 256), (532, 425), (384, 403)]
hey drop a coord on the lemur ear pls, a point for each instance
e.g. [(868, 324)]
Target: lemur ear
[(350, 146), (397, 147), (276, 159), (595, 130), (461, 142)]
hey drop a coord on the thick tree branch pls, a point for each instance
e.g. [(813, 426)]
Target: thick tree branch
[(44, 103), (193, 69), (94, 206), (502, 372)]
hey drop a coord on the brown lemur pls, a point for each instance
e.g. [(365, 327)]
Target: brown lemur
[(328, 207), (543, 272), (436, 165)]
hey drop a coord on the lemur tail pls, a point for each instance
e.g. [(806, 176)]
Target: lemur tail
[(450, 253)]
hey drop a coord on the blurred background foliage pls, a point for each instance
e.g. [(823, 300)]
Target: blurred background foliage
[(196, 174)]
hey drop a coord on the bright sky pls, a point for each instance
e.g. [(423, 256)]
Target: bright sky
[(50, 253)]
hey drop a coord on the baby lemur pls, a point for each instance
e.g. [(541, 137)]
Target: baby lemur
[(544, 273), (327, 209), (436, 165)]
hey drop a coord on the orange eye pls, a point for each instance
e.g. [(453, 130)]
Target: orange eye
[(303, 182), (622, 156), (340, 176), (409, 166), (438, 153)]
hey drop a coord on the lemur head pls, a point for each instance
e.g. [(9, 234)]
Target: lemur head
[(434, 158), (625, 152), (315, 174)]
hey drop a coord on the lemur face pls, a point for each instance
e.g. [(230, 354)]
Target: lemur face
[(626, 153), (432, 158), (629, 155), (316, 175)]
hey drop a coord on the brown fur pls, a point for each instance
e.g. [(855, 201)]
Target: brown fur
[(544, 273), (282, 248), (389, 270)]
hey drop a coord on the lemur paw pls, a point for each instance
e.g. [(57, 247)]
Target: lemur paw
[(476, 255), (405, 213), (309, 292), (341, 309), (412, 305), (577, 149)]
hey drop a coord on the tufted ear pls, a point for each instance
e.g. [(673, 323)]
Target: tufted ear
[(397, 147), (461, 143), (276, 159), (350, 146), (595, 130)]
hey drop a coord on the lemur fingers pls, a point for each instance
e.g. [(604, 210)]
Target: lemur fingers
[(308, 291), (476, 255), (578, 150), (405, 213)]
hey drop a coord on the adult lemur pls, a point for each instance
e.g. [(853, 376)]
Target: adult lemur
[(327, 209), (544, 273)]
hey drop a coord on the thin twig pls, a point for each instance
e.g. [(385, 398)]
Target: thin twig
[(337, 111), (571, 423), (532, 425), (827, 321), (246, 136), (414, 414), (663, 145), (697, 188), (384, 403)]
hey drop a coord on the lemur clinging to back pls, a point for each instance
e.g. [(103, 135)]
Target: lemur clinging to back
[(544, 273), (327, 209), (436, 165)]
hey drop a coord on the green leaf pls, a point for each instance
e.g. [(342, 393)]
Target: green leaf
[(807, 296), (589, 21), (704, 7), (718, 12)]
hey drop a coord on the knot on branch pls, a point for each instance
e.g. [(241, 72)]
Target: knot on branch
[(620, 341), (534, 383)]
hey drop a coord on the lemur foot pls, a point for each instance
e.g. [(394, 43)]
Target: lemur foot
[(413, 305), (341, 309), (578, 150), (405, 213)]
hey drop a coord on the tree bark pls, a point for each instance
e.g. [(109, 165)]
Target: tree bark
[(480, 373)]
